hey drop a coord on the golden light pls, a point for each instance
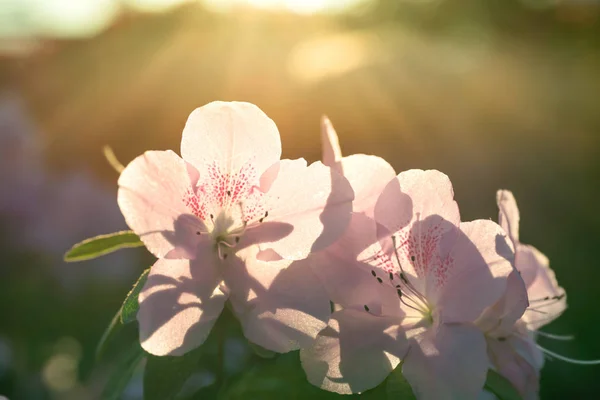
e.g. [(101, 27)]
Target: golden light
[(295, 6)]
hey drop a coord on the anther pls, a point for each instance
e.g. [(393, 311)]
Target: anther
[(229, 193), (197, 232), (403, 278), (399, 292), (398, 286), (366, 308), (373, 273), (379, 280), (212, 217), (391, 276), (237, 239), (224, 256), (412, 258)]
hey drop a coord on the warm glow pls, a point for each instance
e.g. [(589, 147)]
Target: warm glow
[(296, 6)]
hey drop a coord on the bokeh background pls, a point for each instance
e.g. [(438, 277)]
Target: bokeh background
[(496, 94)]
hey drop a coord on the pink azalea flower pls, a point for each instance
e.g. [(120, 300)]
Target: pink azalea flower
[(367, 174), (411, 283), (533, 299), (547, 300), (227, 221)]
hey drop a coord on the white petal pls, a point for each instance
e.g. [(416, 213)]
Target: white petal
[(509, 214), (356, 352), (281, 304), (449, 362), (179, 305), (230, 134)]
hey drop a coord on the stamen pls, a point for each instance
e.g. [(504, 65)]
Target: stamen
[(547, 298), (404, 279), (366, 308), (379, 280), (399, 293), (212, 217), (373, 273), (408, 305), (391, 276), (265, 216), (567, 359), (555, 337), (227, 244)]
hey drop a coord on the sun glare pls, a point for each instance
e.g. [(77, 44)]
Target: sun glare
[(295, 6)]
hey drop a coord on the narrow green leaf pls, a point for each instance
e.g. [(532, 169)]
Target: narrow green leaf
[(500, 386), (165, 376), (112, 329), (130, 306), (121, 375), (101, 245)]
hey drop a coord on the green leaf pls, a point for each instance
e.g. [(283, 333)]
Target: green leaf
[(130, 306), (127, 313), (101, 245), (164, 376), (113, 328), (121, 375), (500, 386), (397, 386), (277, 378)]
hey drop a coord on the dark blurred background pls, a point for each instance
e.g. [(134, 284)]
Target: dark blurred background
[(496, 94)]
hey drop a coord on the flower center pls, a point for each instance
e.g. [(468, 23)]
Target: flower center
[(227, 202), (226, 233)]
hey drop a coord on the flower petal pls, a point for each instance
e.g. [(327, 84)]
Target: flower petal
[(281, 305), (151, 197), (508, 217), (449, 362), (416, 195), (330, 144), (354, 353), (499, 319), (368, 176), (547, 299), (481, 260), (231, 134), (179, 305), (346, 270), (510, 364), (315, 202)]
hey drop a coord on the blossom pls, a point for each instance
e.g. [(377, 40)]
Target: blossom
[(411, 282), (228, 221), (547, 299), (533, 298), (367, 174)]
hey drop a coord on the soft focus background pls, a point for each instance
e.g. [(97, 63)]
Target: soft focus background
[(496, 93)]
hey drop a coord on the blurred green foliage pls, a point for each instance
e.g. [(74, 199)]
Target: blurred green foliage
[(497, 94)]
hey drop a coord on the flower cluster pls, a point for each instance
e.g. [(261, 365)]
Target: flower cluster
[(280, 241)]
